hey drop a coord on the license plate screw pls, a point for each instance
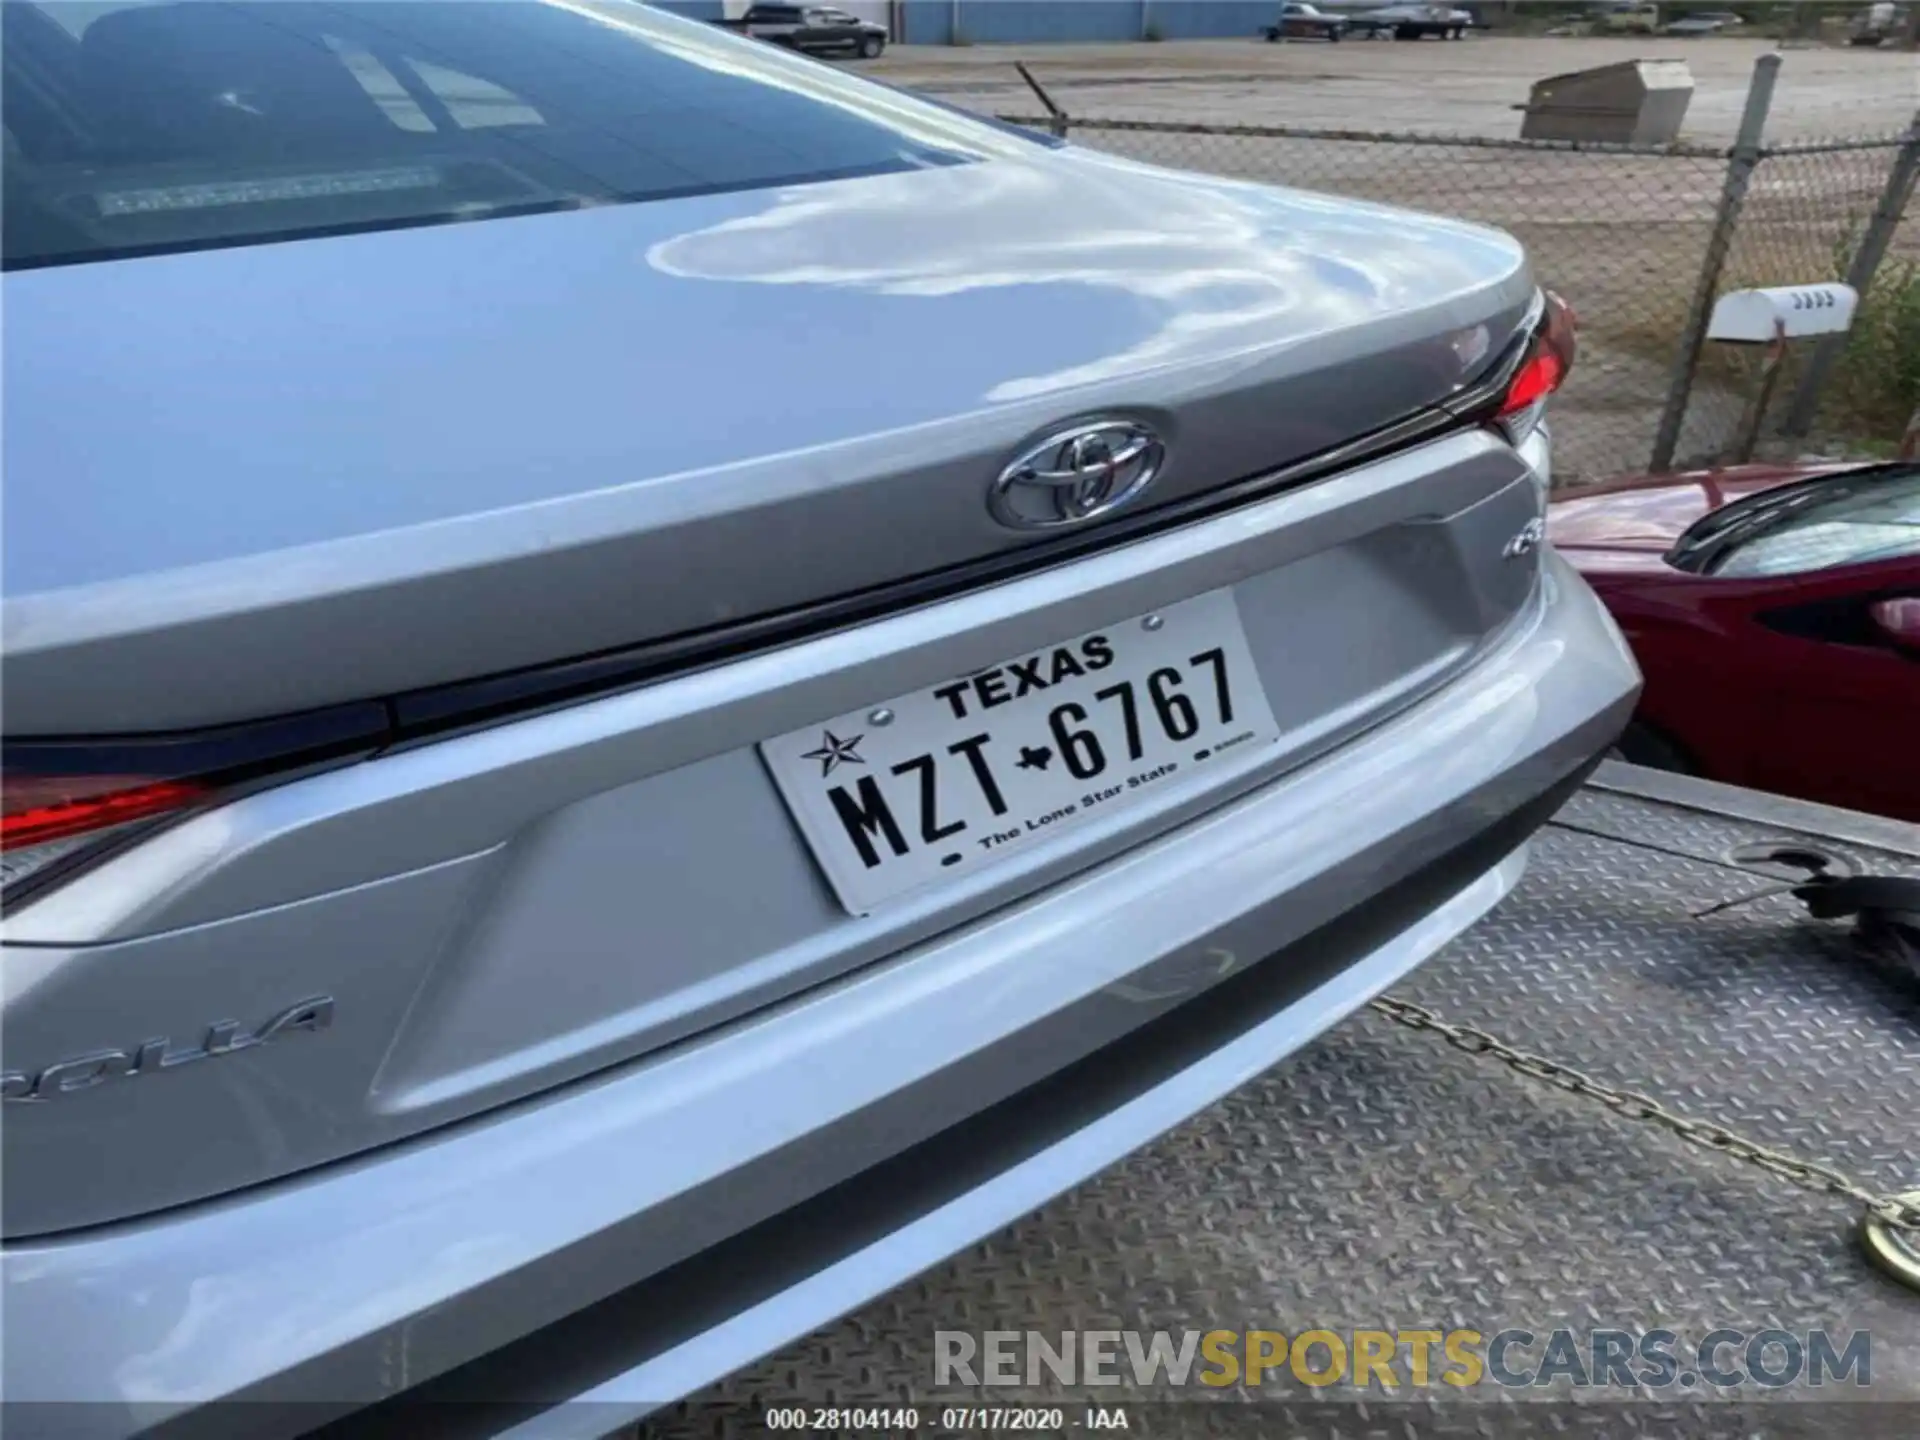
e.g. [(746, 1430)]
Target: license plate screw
[(1153, 622), (883, 716)]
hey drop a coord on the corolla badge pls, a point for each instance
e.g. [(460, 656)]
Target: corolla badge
[(1077, 474), (99, 1067)]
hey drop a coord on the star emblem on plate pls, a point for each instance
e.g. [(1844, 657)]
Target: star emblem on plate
[(835, 751)]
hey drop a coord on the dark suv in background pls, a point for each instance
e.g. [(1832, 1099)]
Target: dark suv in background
[(816, 29)]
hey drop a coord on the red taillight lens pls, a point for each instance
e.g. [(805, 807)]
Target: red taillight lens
[(67, 802), (1549, 359), (40, 809), (51, 823), (1539, 377)]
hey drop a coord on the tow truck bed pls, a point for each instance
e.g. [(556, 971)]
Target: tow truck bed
[(1384, 1179)]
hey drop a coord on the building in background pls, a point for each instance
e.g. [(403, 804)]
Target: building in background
[(994, 22), (998, 22)]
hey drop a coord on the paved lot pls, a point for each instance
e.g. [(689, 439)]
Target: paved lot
[(1430, 86)]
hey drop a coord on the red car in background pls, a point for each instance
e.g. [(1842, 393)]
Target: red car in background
[(1776, 615)]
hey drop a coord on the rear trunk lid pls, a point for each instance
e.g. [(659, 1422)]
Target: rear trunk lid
[(254, 481)]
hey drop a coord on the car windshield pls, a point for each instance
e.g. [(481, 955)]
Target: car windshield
[(157, 126), (1846, 520)]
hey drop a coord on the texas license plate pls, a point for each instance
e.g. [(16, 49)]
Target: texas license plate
[(924, 787)]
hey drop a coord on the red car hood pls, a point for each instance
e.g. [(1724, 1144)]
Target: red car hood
[(1627, 524)]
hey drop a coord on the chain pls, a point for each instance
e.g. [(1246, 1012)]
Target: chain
[(1891, 1211)]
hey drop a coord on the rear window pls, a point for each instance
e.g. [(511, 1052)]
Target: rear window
[(177, 124)]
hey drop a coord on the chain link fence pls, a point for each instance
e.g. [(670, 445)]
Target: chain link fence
[(1807, 213), (1628, 237)]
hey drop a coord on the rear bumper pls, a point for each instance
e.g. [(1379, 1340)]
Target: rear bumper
[(368, 1278)]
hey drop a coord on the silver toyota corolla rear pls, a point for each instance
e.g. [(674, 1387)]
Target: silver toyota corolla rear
[(646, 685)]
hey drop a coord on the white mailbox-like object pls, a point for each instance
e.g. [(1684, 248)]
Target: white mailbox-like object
[(1748, 317)]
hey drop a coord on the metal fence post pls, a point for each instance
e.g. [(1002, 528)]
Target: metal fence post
[(1865, 265), (1057, 120), (1741, 163)]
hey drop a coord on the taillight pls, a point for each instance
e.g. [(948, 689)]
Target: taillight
[(1543, 369), (41, 810), (40, 828), (65, 803)]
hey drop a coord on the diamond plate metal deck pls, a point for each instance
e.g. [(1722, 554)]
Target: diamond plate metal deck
[(1381, 1179)]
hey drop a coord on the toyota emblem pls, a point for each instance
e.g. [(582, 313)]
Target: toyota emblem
[(1076, 475)]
